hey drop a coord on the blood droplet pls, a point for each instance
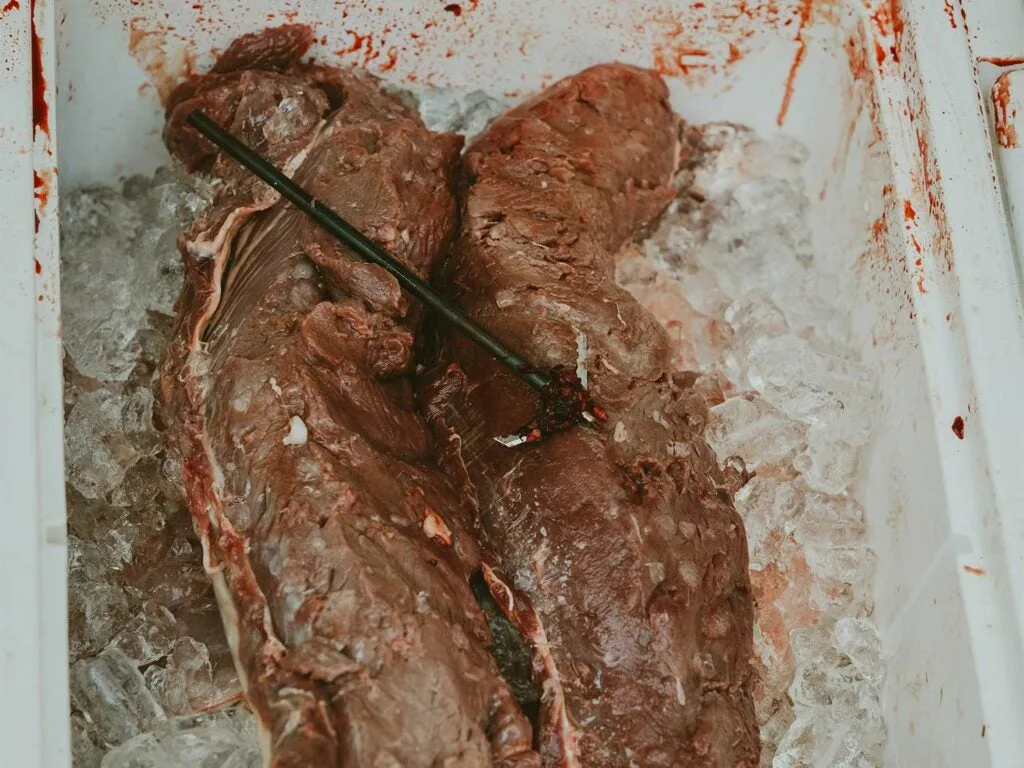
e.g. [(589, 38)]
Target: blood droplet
[(958, 427)]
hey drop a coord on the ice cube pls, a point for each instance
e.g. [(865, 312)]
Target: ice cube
[(113, 692), (826, 738), (140, 487), (721, 166), (774, 726), (770, 507), (778, 156), (123, 538), (443, 109), (149, 635), (86, 562), (107, 432), (749, 427), (85, 752), (818, 311), (813, 387), (770, 199), (829, 520), (796, 749), (97, 611), (186, 682), (671, 253), (100, 310), (753, 317), (171, 572), (225, 739), (858, 640), (828, 463), (119, 262), (840, 573)]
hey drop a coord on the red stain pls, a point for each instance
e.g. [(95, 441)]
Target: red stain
[(370, 52), (879, 229), (12, 5), (888, 22), (801, 53), (358, 41), (879, 53), (958, 427), (680, 61), (454, 8), (1004, 116), (392, 60), (42, 190), (40, 109), (931, 178), (734, 54), (39, 267), (917, 247), (920, 284), (149, 48), (1002, 61), (42, 195), (975, 571), (908, 211), (950, 14)]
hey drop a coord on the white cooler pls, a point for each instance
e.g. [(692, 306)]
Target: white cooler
[(915, 177)]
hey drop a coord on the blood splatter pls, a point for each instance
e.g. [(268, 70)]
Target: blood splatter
[(801, 53), (908, 211), (42, 190), (1002, 61), (40, 109), (39, 267), (888, 22), (12, 5), (958, 427), (454, 8), (950, 14), (1004, 116), (358, 41), (975, 571)]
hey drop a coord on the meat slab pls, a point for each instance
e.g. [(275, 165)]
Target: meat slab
[(616, 551), (339, 553)]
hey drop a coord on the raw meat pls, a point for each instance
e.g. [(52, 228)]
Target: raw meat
[(339, 553), (618, 551)]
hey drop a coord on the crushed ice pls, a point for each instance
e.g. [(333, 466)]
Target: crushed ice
[(731, 273), (147, 651)]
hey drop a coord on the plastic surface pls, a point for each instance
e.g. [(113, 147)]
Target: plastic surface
[(892, 99), (33, 553)]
